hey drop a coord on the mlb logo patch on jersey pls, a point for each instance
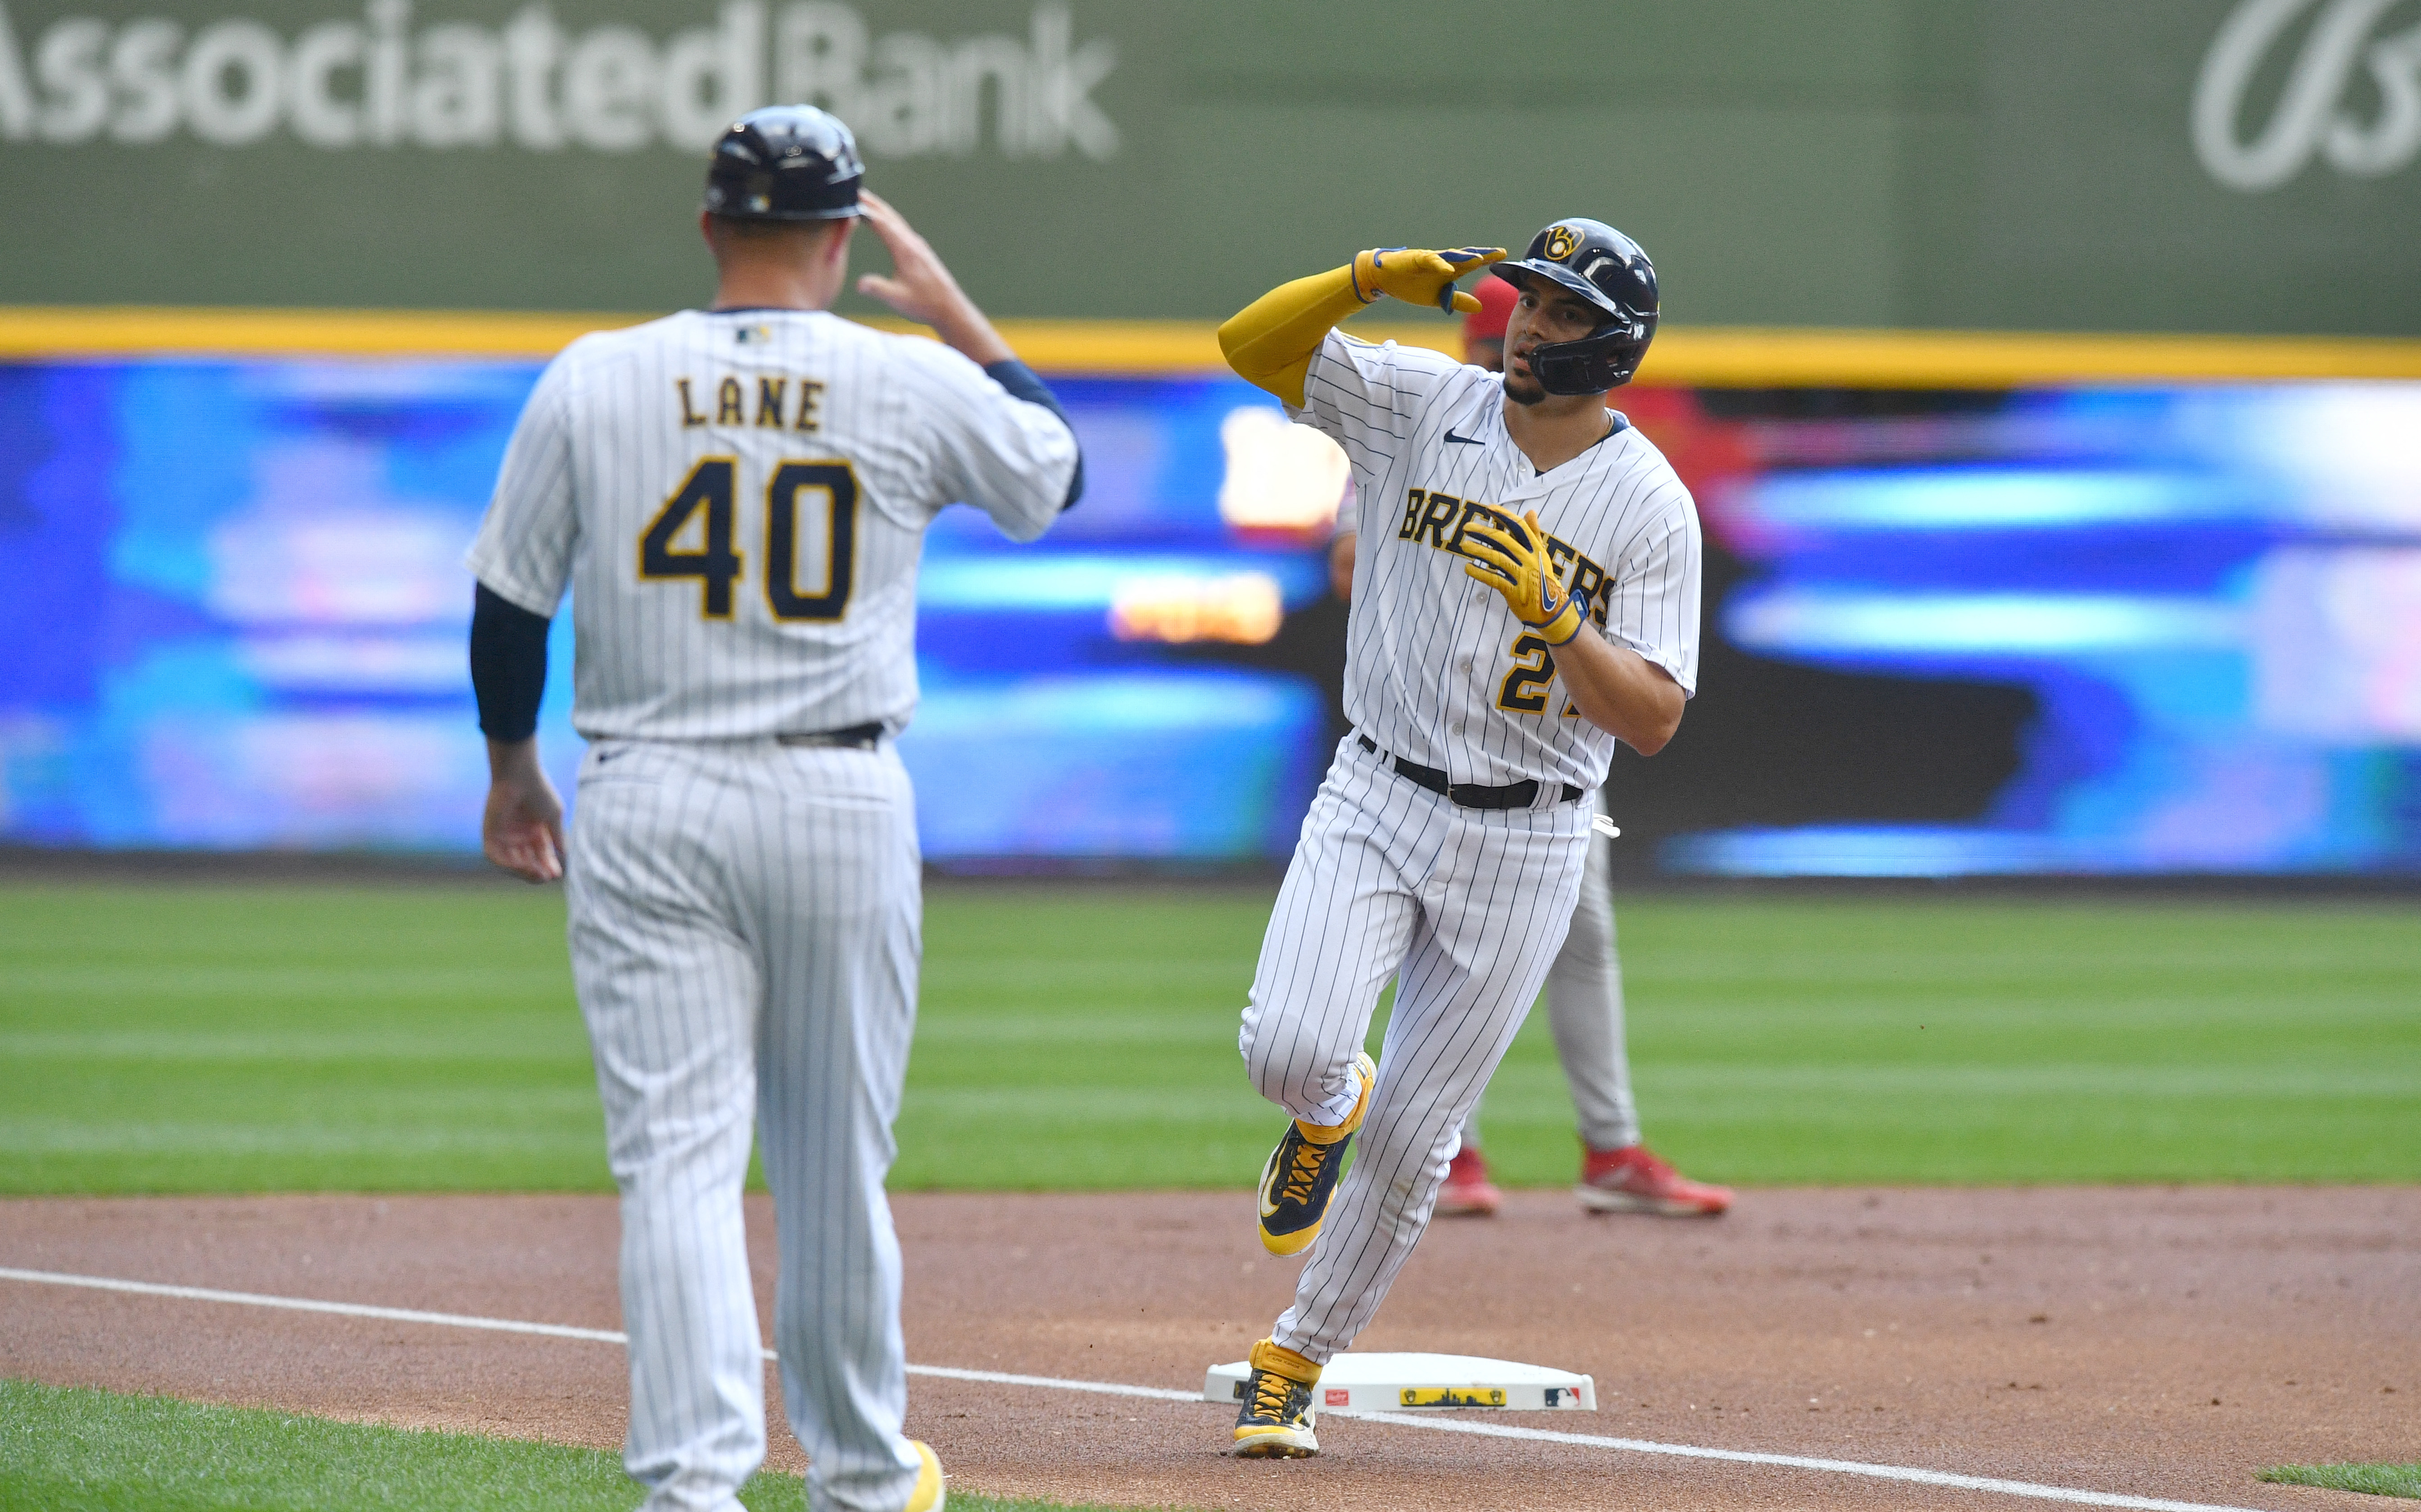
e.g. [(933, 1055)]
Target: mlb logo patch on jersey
[(752, 334)]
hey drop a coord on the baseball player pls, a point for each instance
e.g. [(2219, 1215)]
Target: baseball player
[(1525, 595), (1618, 1173), (736, 497)]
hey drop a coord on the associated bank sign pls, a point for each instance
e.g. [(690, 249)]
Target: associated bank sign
[(2352, 96), (379, 81)]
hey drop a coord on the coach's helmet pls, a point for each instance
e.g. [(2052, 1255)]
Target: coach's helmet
[(785, 163), (1607, 269)]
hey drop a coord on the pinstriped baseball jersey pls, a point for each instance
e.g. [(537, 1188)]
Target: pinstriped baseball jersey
[(738, 502), (1437, 667)]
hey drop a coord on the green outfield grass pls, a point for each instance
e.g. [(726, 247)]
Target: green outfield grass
[(91, 1451), (2372, 1480), (229, 1038)]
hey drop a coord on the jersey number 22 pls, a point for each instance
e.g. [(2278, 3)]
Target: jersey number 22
[(712, 488)]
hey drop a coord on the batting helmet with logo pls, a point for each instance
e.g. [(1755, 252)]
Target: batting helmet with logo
[(1609, 270), (785, 163)]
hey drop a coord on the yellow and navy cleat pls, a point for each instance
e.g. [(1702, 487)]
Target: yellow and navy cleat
[(930, 1494), (1302, 1173), (1275, 1421)]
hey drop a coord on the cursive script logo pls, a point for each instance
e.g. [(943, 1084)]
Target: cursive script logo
[(2311, 115)]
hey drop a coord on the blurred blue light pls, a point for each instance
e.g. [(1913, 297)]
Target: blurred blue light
[(1870, 850), (1827, 621), (1977, 498), (1066, 582)]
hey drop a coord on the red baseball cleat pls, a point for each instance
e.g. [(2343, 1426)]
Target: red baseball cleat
[(1468, 1192), (1635, 1180)]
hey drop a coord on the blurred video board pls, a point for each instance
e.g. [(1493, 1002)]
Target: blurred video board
[(235, 617), (2211, 597)]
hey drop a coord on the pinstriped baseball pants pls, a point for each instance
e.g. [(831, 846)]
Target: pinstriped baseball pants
[(745, 931), (1585, 1010), (1465, 907)]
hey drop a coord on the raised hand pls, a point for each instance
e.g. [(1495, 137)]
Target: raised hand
[(1418, 277), (920, 286)]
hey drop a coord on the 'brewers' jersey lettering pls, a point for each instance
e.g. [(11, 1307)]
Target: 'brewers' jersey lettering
[(1428, 674), (1437, 520), (1583, 578), (658, 466)]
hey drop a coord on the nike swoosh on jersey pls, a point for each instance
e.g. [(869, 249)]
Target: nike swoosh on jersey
[(1463, 441)]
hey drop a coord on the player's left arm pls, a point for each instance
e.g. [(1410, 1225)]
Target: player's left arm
[(1619, 691), (1615, 689)]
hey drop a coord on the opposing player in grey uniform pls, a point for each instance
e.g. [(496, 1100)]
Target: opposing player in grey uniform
[(1526, 594), (737, 498)]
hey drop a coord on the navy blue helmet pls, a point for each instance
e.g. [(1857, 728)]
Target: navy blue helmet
[(1607, 269), (785, 163)]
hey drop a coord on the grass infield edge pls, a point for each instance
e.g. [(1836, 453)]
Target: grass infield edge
[(90, 1445), (2370, 1480)]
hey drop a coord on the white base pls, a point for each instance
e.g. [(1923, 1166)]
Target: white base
[(1425, 1382)]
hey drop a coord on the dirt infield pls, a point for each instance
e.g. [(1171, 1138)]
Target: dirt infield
[(2164, 1343)]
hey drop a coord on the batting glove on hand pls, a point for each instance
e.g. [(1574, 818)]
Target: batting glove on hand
[(1421, 277), (1518, 567)]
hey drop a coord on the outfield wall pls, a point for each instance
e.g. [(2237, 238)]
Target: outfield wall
[(2161, 165), (2045, 374)]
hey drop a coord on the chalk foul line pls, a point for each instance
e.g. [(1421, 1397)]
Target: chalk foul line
[(1907, 1474)]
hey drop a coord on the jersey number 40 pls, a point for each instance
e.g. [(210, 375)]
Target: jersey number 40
[(712, 489)]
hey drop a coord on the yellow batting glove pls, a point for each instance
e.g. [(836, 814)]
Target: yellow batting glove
[(1421, 277), (1520, 569)]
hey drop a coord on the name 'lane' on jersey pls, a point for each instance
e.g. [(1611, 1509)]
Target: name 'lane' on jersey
[(772, 407)]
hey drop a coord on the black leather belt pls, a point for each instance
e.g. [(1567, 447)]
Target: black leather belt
[(856, 737), (1522, 794)]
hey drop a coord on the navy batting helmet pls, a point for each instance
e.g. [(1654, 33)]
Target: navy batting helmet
[(1607, 269), (785, 163)]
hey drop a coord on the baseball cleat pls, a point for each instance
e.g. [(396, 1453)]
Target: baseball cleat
[(1275, 1420), (1635, 1180), (1301, 1173), (930, 1494), (1467, 1192)]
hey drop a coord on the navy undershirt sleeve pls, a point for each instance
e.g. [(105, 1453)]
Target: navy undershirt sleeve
[(508, 666), (1021, 383)]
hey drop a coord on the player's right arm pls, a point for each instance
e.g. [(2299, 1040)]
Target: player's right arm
[(1270, 342), (522, 558)]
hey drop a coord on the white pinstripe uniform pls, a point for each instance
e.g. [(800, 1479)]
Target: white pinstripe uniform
[(738, 502), (1585, 1004), (1465, 907)]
